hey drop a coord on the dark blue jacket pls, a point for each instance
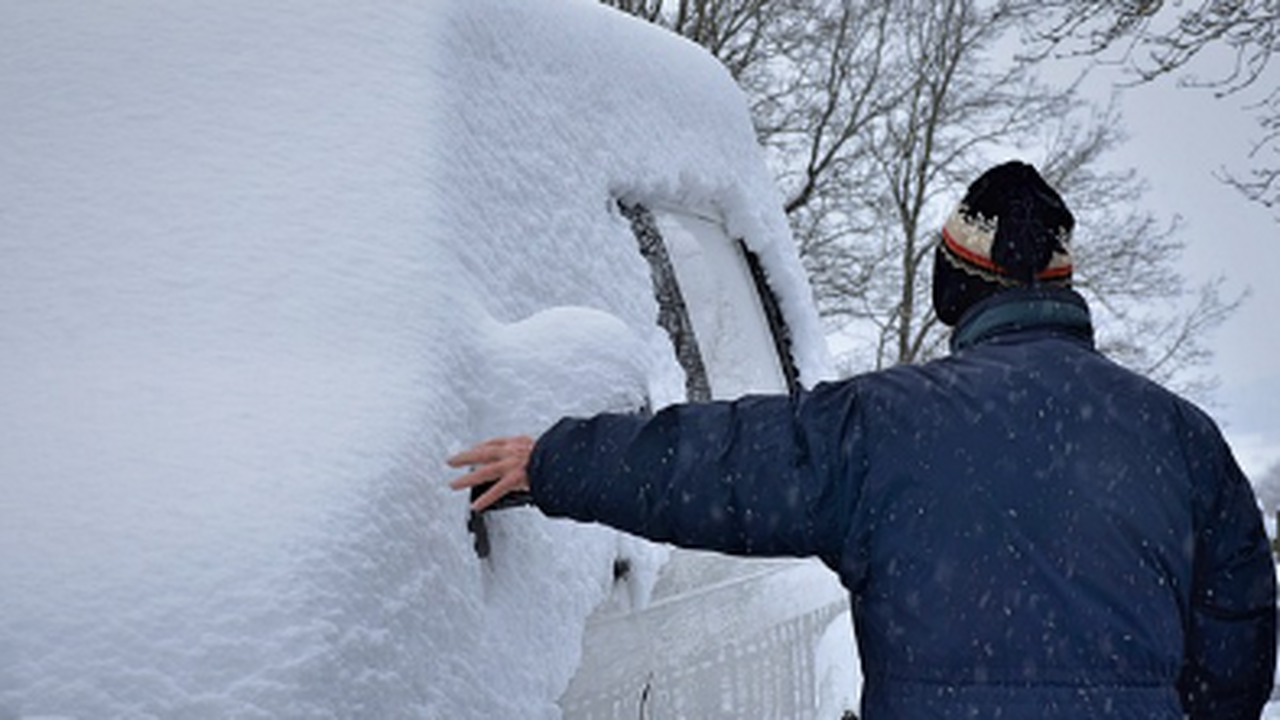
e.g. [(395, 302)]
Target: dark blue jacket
[(1026, 529)]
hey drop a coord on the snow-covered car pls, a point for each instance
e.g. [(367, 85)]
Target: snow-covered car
[(263, 267)]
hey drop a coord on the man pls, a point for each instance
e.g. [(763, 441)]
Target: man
[(1026, 529)]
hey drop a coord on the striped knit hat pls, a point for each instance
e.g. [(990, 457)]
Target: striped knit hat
[(1011, 230)]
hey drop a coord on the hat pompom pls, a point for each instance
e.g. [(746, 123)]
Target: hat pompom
[(1031, 226)]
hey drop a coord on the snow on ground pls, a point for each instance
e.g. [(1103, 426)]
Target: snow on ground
[(265, 266)]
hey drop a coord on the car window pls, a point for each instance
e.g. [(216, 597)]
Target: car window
[(715, 303)]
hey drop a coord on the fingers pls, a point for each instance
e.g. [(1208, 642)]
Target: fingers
[(492, 451), (488, 472), (507, 484), (479, 476), (503, 461), (486, 452)]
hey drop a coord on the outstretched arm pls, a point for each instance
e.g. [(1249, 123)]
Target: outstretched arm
[(762, 475)]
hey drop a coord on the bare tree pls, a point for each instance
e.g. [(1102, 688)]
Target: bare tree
[(733, 30), (1155, 38), (876, 113), (1151, 39)]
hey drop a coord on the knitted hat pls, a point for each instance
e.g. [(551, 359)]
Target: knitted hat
[(1011, 230)]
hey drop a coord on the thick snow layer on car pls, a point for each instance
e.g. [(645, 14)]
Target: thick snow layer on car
[(264, 267)]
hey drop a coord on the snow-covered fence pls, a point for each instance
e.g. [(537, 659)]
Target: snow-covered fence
[(743, 647), (772, 674)]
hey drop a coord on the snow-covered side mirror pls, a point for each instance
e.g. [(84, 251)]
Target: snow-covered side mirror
[(715, 303)]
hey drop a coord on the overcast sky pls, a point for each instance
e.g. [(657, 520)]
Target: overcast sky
[(1179, 139)]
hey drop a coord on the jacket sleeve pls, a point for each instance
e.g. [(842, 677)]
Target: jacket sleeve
[(1229, 662), (763, 475)]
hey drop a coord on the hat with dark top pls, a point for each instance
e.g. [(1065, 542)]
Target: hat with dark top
[(1011, 230)]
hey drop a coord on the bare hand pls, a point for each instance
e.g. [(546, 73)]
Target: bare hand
[(502, 461)]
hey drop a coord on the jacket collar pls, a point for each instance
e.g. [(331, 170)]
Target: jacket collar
[(1052, 309)]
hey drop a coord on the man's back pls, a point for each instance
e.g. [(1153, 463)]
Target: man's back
[(1028, 521)]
